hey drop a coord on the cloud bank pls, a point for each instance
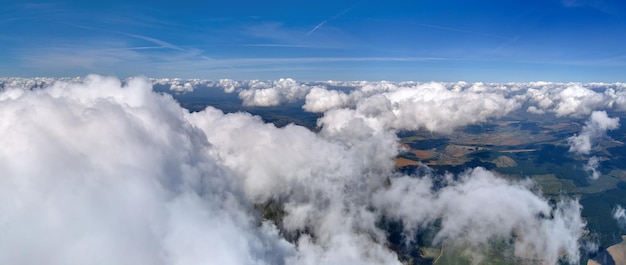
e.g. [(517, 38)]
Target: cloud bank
[(100, 170), (96, 172)]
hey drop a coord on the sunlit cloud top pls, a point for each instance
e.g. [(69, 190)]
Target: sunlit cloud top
[(517, 41)]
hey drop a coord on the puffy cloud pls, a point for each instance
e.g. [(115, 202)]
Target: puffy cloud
[(181, 88), (479, 208), (430, 106), (31, 83), (321, 100), (596, 127), (100, 173), (323, 183), (229, 85), (436, 108), (273, 94), (575, 100), (264, 97), (328, 190), (97, 171), (560, 99)]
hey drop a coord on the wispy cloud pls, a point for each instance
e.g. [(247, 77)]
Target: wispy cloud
[(158, 42), (459, 30), (277, 33), (507, 43), (276, 45), (331, 18), (99, 55), (71, 56), (600, 5), (301, 60), (33, 12)]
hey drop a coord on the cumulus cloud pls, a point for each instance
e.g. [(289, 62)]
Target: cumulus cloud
[(31, 83), (181, 88), (430, 106), (559, 99), (577, 100), (274, 93), (324, 184), (480, 208), (328, 189), (96, 172), (446, 103), (436, 108), (229, 85), (321, 100), (596, 127), (573, 99), (101, 172)]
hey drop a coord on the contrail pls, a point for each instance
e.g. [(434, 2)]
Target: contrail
[(333, 17), (317, 27), (161, 43)]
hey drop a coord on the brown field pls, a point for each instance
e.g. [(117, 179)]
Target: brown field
[(617, 252), (518, 151), (423, 154), (562, 126), (460, 150), (402, 162)]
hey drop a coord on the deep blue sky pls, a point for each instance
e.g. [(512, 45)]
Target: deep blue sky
[(441, 40)]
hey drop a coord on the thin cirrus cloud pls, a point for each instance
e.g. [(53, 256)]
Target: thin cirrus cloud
[(164, 58), (318, 26), (522, 44)]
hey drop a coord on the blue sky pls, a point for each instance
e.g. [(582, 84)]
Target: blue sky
[(445, 40)]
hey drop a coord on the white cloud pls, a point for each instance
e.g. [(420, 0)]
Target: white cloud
[(479, 208), (448, 100), (229, 85), (592, 167), (30, 83), (178, 87), (321, 100), (596, 127), (436, 108), (264, 94), (430, 106), (100, 173), (127, 175), (577, 100), (573, 100)]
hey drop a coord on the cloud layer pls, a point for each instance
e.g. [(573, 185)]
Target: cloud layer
[(96, 172), (100, 170)]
